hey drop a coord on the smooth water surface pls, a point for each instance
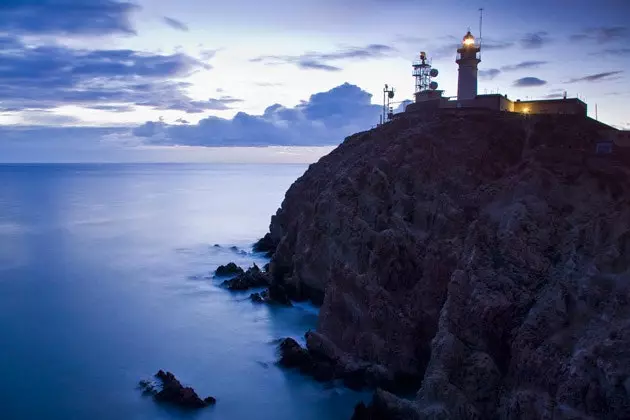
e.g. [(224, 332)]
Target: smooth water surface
[(105, 278)]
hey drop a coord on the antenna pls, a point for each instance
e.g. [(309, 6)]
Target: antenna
[(388, 110), (480, 30)]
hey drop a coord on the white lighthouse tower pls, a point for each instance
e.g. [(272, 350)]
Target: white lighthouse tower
[(468, 59)]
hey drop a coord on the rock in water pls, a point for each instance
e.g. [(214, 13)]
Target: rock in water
[(230, 269), (292, 355), (487, 253), (173, 392), (249, 279)]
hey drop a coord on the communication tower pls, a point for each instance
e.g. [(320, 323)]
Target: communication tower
[(423, 73), (388, 110)]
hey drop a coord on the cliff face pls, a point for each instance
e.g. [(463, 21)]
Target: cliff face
[(487, 254)]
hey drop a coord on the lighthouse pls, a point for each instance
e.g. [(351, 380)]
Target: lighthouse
[(468, 60)]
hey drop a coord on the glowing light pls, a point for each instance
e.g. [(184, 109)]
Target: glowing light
[(525, 110), (469, 41)]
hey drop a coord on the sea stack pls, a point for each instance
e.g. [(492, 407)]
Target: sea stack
[(481, 254)]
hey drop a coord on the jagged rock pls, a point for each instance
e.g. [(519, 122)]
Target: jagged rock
[(487, 254), (257, 298), (171, 391), (265, 244), (229, 269), (277, 294), (274, 294), (386, 406), (292, 355), (249, 279), (323, 362)]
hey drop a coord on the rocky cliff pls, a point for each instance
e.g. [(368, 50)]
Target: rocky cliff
[(486, 254)]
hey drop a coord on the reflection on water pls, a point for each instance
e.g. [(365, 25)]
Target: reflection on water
[(105, 278)]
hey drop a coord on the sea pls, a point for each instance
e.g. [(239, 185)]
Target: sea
[(106, 277)]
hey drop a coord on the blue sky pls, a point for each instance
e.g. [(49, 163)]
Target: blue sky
[(157, 80)]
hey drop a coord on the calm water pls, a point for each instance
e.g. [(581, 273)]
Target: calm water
[(103, 281)]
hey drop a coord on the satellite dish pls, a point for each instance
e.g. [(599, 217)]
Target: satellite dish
[(391, 94), (433, 85), (434, 72)]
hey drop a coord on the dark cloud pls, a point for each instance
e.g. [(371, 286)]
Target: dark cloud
[(609, 75), (614, 51), (603, 34), (496, 45), (452, 43), (524, 65), (321, 61), (112, 108), (535, 40), (206, 55), (69, 17), (554, 96), (529, 82), (176, 24), (316, 65), (43, 77), (325, 119), (489, 74), (44, 117)]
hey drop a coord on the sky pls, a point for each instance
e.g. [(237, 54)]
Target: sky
[(275, 80)]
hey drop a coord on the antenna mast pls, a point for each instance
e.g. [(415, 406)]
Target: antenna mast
[(480, 30)]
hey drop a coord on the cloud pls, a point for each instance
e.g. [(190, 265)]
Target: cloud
[(602, 34), (524, 65), (535, 40), (452, 43), (614, 51), (206, 55), (325, 119), (529, 82), (176, 24), (489, 74), (66, 17), (48, 76), (609, 75), (45, 117), (315, 65), (554, 96), (111, 108), (321, 61)]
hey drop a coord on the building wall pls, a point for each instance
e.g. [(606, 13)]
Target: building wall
[(560, 106), (621, 138), (494, 102)]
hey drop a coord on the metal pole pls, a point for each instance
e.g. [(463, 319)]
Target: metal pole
[(480, 30)]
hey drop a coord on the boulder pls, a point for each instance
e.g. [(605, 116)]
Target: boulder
[(173, 392), (249, 279), (292, 355), (230, 269)]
